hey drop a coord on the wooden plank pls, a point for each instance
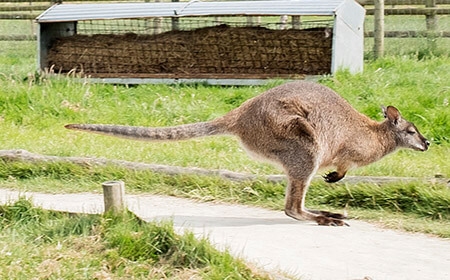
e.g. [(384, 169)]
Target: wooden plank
[(409, 34), (63, 1), (412, 11), (17, 37), (18, 16), (24, 8), (196, 76), (22, 155), (402, 2)]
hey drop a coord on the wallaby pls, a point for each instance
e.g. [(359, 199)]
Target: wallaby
[(302, 126)]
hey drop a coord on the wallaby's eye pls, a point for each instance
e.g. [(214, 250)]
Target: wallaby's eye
[(411, 132)]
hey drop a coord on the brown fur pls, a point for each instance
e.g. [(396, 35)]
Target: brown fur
[(303, 127)]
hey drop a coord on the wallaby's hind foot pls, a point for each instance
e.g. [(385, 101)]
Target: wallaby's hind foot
[(329, 214), (320, 219), (326, 221)]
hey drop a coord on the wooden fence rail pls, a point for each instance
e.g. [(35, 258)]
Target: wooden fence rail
[(408, 34), (401, 2), (18, 16), (18, 37), (411, 11), (24, 8)]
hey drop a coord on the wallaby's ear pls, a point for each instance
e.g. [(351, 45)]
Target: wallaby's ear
[(392, 114)]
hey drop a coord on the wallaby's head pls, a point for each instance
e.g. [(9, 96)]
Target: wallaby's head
[(406, 133)]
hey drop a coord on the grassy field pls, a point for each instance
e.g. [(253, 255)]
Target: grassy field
[(39, 244), (33, 111)]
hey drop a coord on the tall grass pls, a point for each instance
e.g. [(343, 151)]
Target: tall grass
[(119, 246)]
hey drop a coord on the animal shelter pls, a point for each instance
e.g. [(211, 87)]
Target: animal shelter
[(221, 42)]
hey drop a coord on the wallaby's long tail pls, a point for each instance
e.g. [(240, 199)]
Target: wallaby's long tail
[(180, 132)]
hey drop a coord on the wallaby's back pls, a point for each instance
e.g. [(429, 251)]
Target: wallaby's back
[(292, 110)]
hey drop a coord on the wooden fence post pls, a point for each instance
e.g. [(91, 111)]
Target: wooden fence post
[(250, 21), (176, 20), (379, 28), (283, 22), (155, 24), (114, 195), (431, 20), (295, 22)]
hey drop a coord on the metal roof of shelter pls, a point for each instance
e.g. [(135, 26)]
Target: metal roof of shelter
[(78, 12)]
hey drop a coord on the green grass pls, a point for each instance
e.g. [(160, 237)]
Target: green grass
[(419, 207), (53, 245), (33, 113), (413, 77)]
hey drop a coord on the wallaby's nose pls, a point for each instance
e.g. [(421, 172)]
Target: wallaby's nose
[(427, 143)]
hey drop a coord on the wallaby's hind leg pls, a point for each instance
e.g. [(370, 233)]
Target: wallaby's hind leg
[(295, 198), (300, 172)]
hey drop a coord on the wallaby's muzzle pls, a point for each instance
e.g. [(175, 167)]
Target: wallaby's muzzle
[(427, 144)]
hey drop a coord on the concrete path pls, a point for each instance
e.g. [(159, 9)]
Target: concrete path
[(276, 242)]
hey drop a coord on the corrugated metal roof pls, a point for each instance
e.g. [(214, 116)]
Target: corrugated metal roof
[(77, 12)]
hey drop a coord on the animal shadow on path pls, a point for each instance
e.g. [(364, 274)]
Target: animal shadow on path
[(202, 221)]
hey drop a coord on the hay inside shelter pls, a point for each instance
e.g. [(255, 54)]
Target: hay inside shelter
[(212, 51)]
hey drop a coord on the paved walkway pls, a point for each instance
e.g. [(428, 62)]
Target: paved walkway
[(276, 242)]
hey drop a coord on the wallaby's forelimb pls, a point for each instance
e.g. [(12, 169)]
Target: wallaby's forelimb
[(333, 177)]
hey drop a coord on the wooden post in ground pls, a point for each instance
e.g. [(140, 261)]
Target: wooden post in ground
[(283, 22), (114, 196), (175, 20), (378, 29), (250, 21), (431, 20), (296, 22), (157, 22)]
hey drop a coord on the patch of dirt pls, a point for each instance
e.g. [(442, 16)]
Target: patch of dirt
[(211, 50)]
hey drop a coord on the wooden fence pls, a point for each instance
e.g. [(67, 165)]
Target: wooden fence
[(431, 11), (30, 9)]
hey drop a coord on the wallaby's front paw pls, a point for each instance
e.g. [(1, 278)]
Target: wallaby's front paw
[(332, 177), (325, 221)]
